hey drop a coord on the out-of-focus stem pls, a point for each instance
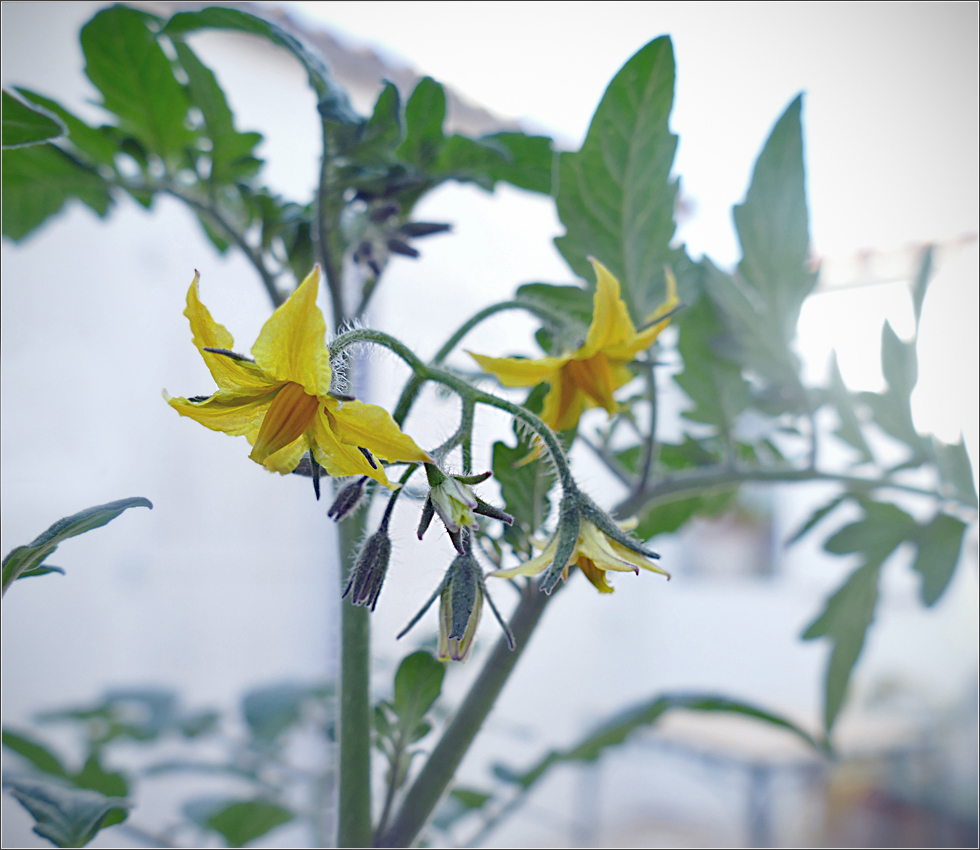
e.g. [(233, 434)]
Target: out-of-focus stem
[(354, 722)]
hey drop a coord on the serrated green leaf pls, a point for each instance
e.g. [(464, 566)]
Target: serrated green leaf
[(231, 152), (425, 113), (615, 195), (67, 817), (849, 429), (850, 610), (939, 550), (622, 725), (38, 180), (893, 409), (334, 103), (815, 517), (382, 132), (37, 754), (955, 471), (773, 227), (529, 161), (126, 64), (25, 125), (98, 144), (26, 558), (244, 821), (714, 384)]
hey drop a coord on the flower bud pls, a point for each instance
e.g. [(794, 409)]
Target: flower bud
[(347, 499), (460, 607), (368, 572), (453, 499)]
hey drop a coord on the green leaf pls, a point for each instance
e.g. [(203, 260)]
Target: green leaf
[(850, 610), (37, 754), (418, 684), (893, 409), (459, 802), (95, 777), (125, 62), (27, 558), (670, 516), (815, 517), (615, 195), (38, 180), (955, 471), (383, 130), (67, 817), (773, 227), (24, 125), (98, 144), (621, 726), (425, 113), (334, 103), (244, 821), (523, 161), (231, 152), (939, 550), (270, 711), (565, 310), (922, 283), (715, 385), (849, 428), (528, 163)]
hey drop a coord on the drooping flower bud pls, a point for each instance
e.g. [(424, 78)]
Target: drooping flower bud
[(368, 573), (347, 499), (460, 607), (453, 499), (461, 595)]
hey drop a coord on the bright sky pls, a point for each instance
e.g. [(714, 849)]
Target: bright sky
[(890, 124)]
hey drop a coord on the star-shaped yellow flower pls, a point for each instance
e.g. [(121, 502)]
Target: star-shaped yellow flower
[(281, 400), (594, 554), (589, 376)]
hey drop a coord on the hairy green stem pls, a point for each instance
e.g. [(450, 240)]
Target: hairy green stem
[(431, 783), (411, 390), (354, 722), (650, 440), (464, 390)]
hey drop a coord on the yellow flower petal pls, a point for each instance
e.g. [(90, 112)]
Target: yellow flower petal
[(611, 323), (533, 566), (291, 345), (335, 457), (229, 411), (598, 548), (227, 372), (564, 403), (515, 372), (288, 418), (595, 575), (594, 377), (287, 458), (644, 339), (356, 423)]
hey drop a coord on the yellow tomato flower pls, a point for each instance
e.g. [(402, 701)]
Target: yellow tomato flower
[(281, 400), (589, 376), (594, 554)]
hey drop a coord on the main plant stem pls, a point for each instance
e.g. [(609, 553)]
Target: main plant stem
[(354, 721)]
